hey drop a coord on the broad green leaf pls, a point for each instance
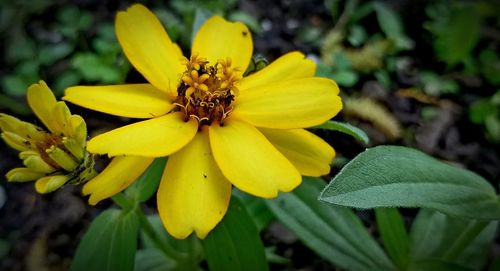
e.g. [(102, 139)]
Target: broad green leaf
[(246, 18), (392, 25), (393, 232), (235, 243), (145, 187), (389, 21), (490, 66), (188, 251), (345, 128), (456, 29), (51, 53), (14, 105), (256, 208), (109, 244), (437, 265), (94, 67), (393, 176), (152, 259), (335, 233), (433, 234)]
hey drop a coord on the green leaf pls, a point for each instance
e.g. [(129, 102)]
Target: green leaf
[(345, 128), (246, 18), (481, 109), (345, 78), (433, 233), (235, 243), (65, 79), (189, 248), (490, 66), (257, 209), (334, 233), (109, 244), (14, 85), (392, 25), (152, 259), (49, 54), (393, 232), (14, 105), (96, 68), (437, 265), (456, 30), (393, 176), (145, 187)]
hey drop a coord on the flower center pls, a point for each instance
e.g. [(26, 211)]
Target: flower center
[(206, 91)]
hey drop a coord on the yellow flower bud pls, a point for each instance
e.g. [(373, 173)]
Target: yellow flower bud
[(74, 147), (15, 141), (23, 174), (50, 183), (62, 159), (36, 163)]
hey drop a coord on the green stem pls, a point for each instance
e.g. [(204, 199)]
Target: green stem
[(126, 204), (122, 201), (153, 235), (464, 239)]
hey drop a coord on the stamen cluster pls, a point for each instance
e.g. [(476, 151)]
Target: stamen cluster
[(206, 91)]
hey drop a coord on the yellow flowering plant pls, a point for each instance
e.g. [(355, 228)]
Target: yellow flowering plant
[(225, 149), (218, 128)]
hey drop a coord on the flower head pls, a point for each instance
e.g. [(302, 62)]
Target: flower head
[(54, 157), (218, 127)]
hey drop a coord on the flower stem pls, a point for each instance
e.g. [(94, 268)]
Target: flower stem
[(464, 239), (121, 200), (153, 235)]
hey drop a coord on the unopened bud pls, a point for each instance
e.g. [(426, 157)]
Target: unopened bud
[(74, 147), (63, 159), (15, 141), (50, 183), (38, 164), (23, 174)]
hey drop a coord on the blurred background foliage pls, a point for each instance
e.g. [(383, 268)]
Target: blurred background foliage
[(455, 52), (424, 74)]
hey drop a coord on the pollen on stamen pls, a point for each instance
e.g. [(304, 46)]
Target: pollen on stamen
[(206, 91)]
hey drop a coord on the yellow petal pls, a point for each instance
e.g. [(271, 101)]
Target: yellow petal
[(61, 115), (50, 183), (15, 141), (307, 152), (22, 174), (148, 47), (220, 39), (36, 163), (249, 161), (152, 138), (79, 129), (296, 103), (118, 175), (42, 102), (133, 101), (193, 194), (23, 129), (289, 66)]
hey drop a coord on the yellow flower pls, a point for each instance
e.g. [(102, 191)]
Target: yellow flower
[(51, 158), (218, 128)]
